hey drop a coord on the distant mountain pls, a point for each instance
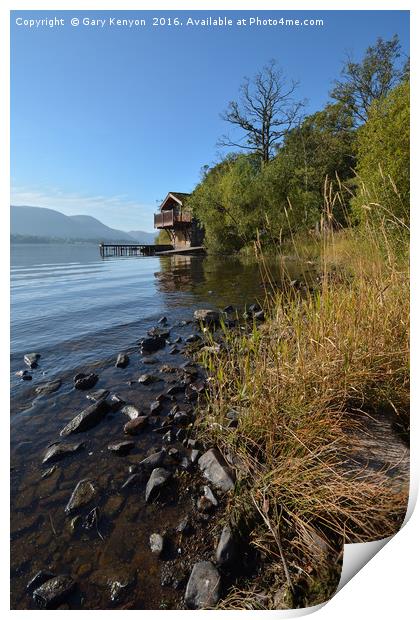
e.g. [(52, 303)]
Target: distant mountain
[(143, 237), (47, 223)]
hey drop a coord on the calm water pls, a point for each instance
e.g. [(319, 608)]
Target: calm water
[(78, 312)]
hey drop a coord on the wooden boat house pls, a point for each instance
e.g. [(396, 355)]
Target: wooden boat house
[(183, 230)]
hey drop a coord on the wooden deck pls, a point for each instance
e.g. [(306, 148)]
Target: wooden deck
[(131, 249), (199, 249)]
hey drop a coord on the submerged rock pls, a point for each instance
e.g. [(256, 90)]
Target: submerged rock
[(37, 580), (25, 375), (193, 338), (88, 418), (216, 470), (148, 379), (133, 427), (31, 359), (98, 395), (83, 493), (60, 450), (54, 591), (159, 477), (49, 387), (85, 382), (115, 402), (203, 587), (122, 360), (159, 332), (153, 460), (155, 407), (121, 447)]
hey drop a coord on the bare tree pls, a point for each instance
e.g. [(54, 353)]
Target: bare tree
[(265, 112)]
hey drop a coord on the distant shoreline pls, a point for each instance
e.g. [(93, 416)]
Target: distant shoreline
[(29, 239)]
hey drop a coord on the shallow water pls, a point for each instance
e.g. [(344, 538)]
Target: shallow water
[(78, 312)]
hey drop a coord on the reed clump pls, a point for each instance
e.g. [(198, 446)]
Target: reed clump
[(301, 386)]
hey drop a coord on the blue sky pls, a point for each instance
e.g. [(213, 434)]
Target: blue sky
[(107, 120)]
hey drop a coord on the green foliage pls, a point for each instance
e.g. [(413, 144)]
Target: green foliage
[(383, 148), (163, 238)]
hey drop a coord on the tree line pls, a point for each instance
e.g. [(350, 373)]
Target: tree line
[(353, 155)]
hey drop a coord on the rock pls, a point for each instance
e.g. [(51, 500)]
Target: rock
[(130, 411), (121, 447), (31, 359), (194, 456), (85, 382), (92, 519), (184, 526), (229, 309), (147, 379), (25, 375), (48, 472), (155, 407), (159, 332), (193, 338), (97, 395), (115, 402), (203, 587), (150, 360), (153, 460), (122, 360), (54, 591), (207, 316), (49, 387), (226, 548), (215, 469), (173, 350), (163, 320), (208, 493), (37, 580), (133, 427), (88, 418), (118, 588), (60, 450), (259, 316), (181, 418), (83, 493), (132, 480), (175, 389), (157, 543), (204, 504), (152, 344), (168, 437), (157, 480)]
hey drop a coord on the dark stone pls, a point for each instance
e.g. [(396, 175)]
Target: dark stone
[(158, 332), (155, 407), (82, 495), (24, 375), (54, 591), (122, 360), (85, 382), (60, 450), (98, 395), (148, 379), (159, 478), (175, 389), (173, 350), (203, 587), (226, 548), (115, 402), (152, 344), (150, 360), (31, 359), (121, 447), (204, 504), (48, 472), (181, 434), (88, 418), (208, 317), (133, 427), (163, 320), (92, 519), (153, 460), (184, 526), (37, 580), (168, 437), (259, 316), (181, 418), (215, 469), (193, 338), (229, 309), (132, 480)]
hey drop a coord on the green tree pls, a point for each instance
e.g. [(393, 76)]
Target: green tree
[(383, 149), (373, 78)]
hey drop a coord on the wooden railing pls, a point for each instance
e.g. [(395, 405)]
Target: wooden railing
[(170, 217)]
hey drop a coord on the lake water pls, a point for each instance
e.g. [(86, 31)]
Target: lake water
[(79, 311)]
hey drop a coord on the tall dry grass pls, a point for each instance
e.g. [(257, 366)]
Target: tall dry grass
[(299, 385)]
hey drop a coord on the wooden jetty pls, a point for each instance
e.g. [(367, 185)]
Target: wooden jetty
[(198, 249), (131, 249)]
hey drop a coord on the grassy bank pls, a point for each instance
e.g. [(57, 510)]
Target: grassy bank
[(302, 385)]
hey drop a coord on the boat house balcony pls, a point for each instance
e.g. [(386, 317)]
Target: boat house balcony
[(169, 218)]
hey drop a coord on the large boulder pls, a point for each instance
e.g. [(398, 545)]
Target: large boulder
[(83, 493), (88, 418), (158, 478), (203, 588), (216, 470), (54, 591), (60, 450)]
